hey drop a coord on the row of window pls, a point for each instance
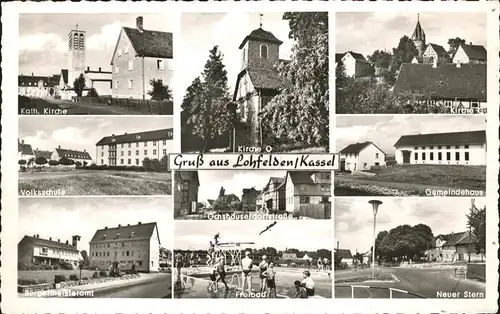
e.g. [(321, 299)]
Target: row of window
[(137, 144), (441, 146), (108, 262), (44, 250), (112, 162), (34, 84), (264, 52), (307, 200), (107, 253), (136, 152), (160, 65), (307, 187), (440, 156), (118, 244)]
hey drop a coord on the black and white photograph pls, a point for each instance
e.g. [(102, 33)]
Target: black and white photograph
[(95, 64), (252, 260), (94, 156), (424, 248), (409, 62), (439, 155), (259, 87), (236, 195), (94, 248)]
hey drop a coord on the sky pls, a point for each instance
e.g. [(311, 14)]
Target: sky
[(362, 31), (384, 131), (200, 32), (83, 216), (79, 133), (354, 217), (310, 235), (43, 38), (233, 181)]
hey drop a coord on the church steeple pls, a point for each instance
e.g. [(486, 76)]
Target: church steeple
[(418, 37)]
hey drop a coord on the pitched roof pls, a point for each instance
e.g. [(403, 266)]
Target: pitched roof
[(339, 56), (456, 238), (50, 243), (438, 49), (70, 153), (475, 52), (27, 80), (354, 148), (156, 135), (250, 190), (24, 149), (148, 43), (301, 177), (446, 81), (343, 253), (139, 231), (42, 153), (261, 35), (187, 176), (453, 138), (269, 79), (357, 56)]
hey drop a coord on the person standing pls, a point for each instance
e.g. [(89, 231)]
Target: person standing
[(263, 266), (271, 282), (221, 270), (246, 264)]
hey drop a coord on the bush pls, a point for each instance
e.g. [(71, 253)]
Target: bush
[(59, 278), (23, 168), (22, 162), (30, 281), (53, 163), (73, 277), (78, 164), (66, 266), (95, 275), (103, 273)]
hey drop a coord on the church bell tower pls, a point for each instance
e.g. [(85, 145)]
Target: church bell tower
[(76, 54), (418, 38)]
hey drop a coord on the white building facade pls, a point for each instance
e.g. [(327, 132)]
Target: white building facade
[(459, 148), (131, 149), (361, 156)]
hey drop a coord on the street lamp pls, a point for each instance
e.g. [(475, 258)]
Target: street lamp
[(375, 204)]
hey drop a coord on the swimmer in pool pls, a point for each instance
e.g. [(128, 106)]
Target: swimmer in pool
[(247, 264)]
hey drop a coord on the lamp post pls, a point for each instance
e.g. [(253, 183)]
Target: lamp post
[(375, 204)]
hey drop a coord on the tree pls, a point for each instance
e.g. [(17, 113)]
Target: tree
[(92, 93), (78, 164), (380, 59), (40, 161), (159, 91), (476, 219), (209, 117), (85, 163), (65, 161), (301, 110), (164, 163), (454, 44), (51, 91), (79, 85), (146, 163), (404, 53)]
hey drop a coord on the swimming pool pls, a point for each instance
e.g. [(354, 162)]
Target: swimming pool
[(195, 286)]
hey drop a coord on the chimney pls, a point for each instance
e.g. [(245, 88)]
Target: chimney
[(32, 74), (50, 239), (106, 227), (59, 240), (67, 242), (337, 245), (140, 24), (119, 226), (470, 43), (125, 133), (59, 146), (99, 69), (37, 235), (128, 225), (84, 150), (22, 141), (88, 69), (112, 134), (140, 223)]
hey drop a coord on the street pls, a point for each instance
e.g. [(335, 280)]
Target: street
[(428, 283), (158, 286)]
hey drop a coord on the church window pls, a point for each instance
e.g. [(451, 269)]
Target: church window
[(81, 41), (75, 42), (263, 51)]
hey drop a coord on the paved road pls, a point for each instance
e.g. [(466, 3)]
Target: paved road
[(429, 283), (160, 286)]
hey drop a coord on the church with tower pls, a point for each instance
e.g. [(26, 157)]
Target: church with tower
[(256, 84)]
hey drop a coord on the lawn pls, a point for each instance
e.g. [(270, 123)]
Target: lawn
[(88, 182), (48, 275), (35, 103), (413, 180)]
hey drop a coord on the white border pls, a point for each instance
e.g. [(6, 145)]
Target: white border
[(11, 303)]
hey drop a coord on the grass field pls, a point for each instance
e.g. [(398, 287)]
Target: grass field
[(99, 182), (48, 275), (412, 180)]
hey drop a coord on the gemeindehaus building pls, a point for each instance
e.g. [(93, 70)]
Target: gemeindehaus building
[(131, 149), (128, 245)]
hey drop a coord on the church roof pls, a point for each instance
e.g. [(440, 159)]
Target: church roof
[(418, 33), (261, 35), (263, 79), (446, 81)]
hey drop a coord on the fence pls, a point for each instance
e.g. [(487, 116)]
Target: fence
[(315, 211), (144, 106)]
